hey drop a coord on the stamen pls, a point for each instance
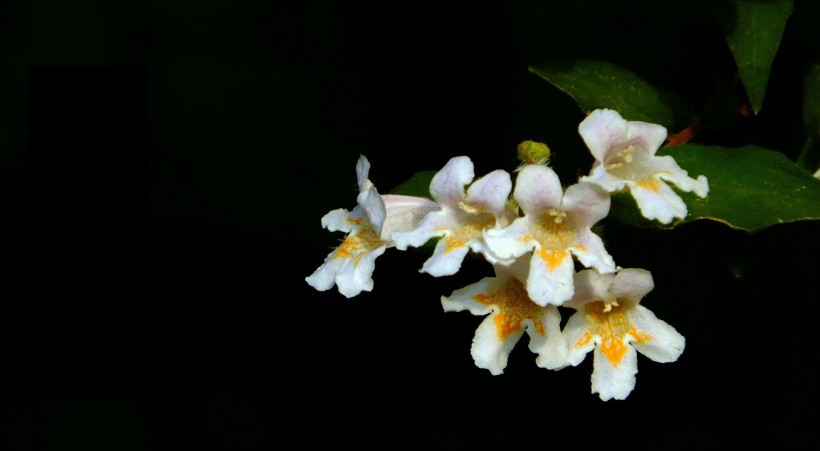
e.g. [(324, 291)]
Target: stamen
[(470, 208), (609, 304), (559, 215)]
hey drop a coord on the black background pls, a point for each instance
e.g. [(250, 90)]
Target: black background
[(178, 159)]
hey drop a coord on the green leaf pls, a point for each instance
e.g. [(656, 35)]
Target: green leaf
[(750, 188), (418, 185), (753, 31), (598, 84), (809, 158), (811, 99)]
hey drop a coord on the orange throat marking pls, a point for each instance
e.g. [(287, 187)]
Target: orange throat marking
[(515, 306), (553, 258), (554, 235), (613, 327)]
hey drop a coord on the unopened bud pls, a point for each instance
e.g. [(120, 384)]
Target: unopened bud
[(532, 152)]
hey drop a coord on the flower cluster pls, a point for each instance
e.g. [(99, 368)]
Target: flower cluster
[(534, 235)]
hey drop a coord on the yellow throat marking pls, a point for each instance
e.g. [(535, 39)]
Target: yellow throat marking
[(358, 243)]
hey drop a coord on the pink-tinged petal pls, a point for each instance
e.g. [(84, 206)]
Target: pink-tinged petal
[(655, 339), (657, 200), (578, 338), (447, 186), (590, 286), (550, 346), (362, 171), (491, 192), (510, 242), (518, 268), (551, 277), (591, 252), (373, 205), (614, 381), (464, 298), (404, 213), (341, 220), (586, 203), (446, 260), (538, 188), (631, 283), (604, 179), (603, 130), (490, 350), (646, 135)]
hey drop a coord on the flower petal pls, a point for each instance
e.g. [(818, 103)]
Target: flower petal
[(508, 243), (646, 135), (587, 203), (491, 351), (446, 260), (353, 277), (668, 169), (590, 286), (324, 277), (341, 220), (631, 283), (657, 200), (614, 381), (551, 347), (350, 275), (464, 298), (578, 338), (659, 341), (591, 252), (373, 205), (434, 224), (551, 277), (603, 130), (491, 192), (447, 186), (604, 179), (362, 171), (404, 213), (538, 188)]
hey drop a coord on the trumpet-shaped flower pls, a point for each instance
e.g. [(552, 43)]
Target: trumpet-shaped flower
[(610, 320), (555, 227), (369, 229), (462, 217), (624, 153), (511, 313)]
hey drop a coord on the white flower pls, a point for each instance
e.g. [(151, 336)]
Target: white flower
[(555, 226), (610, 320), (625, 158), (369, 229), (511, 313), (462, 217)]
